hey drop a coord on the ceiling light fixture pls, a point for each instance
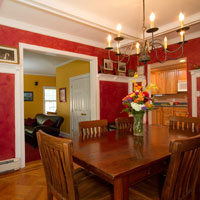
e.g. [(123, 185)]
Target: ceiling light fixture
[(144, 47)]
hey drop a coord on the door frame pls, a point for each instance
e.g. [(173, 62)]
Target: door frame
[(19, 137), (194, 75), (70, 83), (93, 83)]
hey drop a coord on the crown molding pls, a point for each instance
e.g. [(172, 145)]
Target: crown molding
[(65, 63), (38, 74), (49, 32)]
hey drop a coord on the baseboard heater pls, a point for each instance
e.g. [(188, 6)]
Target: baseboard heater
[(9, 165)]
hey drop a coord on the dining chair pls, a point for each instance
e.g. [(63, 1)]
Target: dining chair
[(92, 129), (63, 182), (124, 123), (185, 123), (182, 174)]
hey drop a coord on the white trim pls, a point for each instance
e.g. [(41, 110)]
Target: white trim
[(87, 75), (194, 75), (47, 87), (93, 81), (15, 69), (37, 74), (64, 63)]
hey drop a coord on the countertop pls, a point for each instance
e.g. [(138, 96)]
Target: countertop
[(164, 104)]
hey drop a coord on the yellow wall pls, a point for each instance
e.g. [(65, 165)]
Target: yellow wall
[(63, 74), (31, 108)]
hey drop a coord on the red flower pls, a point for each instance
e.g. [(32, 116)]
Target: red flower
[(146, 94)]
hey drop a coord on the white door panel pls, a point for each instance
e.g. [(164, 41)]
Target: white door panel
[(80, 101)]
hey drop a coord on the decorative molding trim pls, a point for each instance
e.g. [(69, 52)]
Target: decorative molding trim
[(66, 62), (37, 74), (194, 75), (49, 32), (114, 78)]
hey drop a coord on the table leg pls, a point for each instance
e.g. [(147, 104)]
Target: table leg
[(121, 189)]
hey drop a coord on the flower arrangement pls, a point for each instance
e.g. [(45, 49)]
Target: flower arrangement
[(138, 101)]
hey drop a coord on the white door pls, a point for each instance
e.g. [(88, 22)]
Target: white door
[(79, 101)]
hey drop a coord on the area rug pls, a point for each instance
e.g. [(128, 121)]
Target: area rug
[(31, 153)]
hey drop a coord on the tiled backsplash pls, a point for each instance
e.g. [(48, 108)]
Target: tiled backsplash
[(179, 97)]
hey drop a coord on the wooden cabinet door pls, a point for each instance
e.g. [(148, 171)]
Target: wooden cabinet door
[(167, 112), (157, 116), (160, 82), (182, 74), (170, 82), (153, 80), (182, 112)]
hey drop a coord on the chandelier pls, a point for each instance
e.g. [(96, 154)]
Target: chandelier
[(146, 46)]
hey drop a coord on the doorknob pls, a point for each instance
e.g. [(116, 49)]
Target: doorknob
[(83, 113)]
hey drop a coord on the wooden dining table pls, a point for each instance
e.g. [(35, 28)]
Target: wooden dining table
[(123, 159)]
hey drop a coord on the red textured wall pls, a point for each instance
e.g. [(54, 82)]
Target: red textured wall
[(111, 95), (7, 116)]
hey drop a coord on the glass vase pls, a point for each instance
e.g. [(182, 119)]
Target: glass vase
[(138, 124)]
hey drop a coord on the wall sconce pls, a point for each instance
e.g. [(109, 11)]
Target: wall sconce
[(36, 83)]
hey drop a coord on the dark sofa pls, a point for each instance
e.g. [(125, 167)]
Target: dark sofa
[(48, 123)]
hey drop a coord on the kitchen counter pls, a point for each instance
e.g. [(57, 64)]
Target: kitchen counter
[(168, 105)]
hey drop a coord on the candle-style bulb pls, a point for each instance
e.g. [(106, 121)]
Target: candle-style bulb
[(119, 27), (181, 19), (109, 38), (182, 35), (165, 42), (152, 19), (137, 47)]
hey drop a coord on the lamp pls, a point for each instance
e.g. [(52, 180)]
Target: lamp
[(144, 47)]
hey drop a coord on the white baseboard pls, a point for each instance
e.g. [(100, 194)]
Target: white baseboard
[(9, 165), (65, 135)]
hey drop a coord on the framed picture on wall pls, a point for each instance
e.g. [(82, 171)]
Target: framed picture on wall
[(8, 54), (121, 67), (62, 95), (28, 96), (108, 64)]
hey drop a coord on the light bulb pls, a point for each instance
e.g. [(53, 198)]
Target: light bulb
[(119, 27), (152, 19), (181, 19), (109, 38)]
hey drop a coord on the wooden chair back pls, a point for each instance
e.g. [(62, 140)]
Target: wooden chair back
[(92, 129), (124, 123), (184, 169), (185, 123), (56, 155)]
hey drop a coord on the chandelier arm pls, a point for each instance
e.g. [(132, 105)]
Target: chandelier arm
[(157, 56), (181, 46), (170, 58)]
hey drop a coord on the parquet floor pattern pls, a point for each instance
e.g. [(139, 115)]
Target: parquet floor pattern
[(25, 184)]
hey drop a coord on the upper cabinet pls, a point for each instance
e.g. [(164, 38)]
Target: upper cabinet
[(166, 79)]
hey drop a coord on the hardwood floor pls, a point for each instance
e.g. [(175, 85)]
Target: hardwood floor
[(26, 184)]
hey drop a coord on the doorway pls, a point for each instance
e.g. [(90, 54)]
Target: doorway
[(93, 83)]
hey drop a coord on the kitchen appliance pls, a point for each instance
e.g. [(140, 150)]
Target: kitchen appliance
[(182, 86)]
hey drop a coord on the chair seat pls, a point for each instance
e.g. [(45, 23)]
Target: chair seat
[(91, 187), (149, 189)]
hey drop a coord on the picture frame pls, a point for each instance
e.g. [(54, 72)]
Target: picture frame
[(121, 67), (8, 54), (62, 95), (108, 64), (28, 96)]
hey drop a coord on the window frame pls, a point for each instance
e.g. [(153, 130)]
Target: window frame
[(47, 87)]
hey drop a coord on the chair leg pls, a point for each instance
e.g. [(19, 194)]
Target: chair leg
[(49, 194)]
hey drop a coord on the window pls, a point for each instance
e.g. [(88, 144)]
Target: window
[(49, 99)]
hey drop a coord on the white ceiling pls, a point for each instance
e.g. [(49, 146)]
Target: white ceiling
[(43, 63), (90, 21)]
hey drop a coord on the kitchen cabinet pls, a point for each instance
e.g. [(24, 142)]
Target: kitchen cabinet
[(182, 74), (180, 111), (167, 79), (160, 115), (157, 116), (170, 82), (167, 112)]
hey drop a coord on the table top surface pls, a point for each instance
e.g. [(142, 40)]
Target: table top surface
[(119, 152)]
